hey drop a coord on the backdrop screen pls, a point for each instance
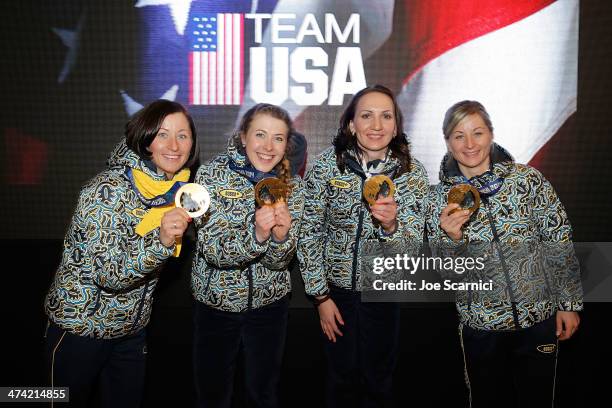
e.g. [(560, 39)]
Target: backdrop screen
[(75, 71)]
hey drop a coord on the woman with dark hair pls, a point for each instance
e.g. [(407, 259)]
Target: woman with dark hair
[(240, 276), (124, 227), (509, 331), (361, 339)]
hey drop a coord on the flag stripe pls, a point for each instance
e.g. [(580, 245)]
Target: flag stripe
[(228, 58), (204, 80), (193, 78), (220, 58), (241, 51), (237, 57), (212, 70), (525, 74), (435, 27)]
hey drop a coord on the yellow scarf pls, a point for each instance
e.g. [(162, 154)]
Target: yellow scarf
[(149, 188)]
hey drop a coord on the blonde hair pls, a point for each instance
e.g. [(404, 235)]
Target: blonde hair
[(459, 111)]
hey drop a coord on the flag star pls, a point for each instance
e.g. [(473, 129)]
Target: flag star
[(71, 39), (131, 106), (170, 94), (254, 5), (178, 8)]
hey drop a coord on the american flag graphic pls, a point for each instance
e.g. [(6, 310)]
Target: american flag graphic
[(216, 59)]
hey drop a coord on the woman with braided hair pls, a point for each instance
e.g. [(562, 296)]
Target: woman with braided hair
[(240, 278)]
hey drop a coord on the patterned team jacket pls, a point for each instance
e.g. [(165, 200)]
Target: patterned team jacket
[(104, 285), (337, 221), (524, 238), (232, 271)]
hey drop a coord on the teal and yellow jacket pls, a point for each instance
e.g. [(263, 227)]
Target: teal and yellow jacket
[(232, 271), (523, 235), (337, 222), (104, 285)]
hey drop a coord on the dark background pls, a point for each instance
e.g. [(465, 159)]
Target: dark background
[(430, 367)]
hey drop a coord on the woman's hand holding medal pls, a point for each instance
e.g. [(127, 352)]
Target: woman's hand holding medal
[(378, 192), (173, 226), (385, 211), (282, 217), (264, 222), (463, 200), (272, 217), (452, 223)]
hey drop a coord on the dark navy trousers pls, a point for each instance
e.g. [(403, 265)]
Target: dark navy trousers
[(511, 368), (99, 372), (361, 362), (220, 336)]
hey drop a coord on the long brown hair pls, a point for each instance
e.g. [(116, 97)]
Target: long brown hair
[(345, 140)]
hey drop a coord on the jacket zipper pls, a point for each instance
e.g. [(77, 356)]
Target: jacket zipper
[(250, 296), (97, 304), (357, 239), (141, 305), (207, 280), (502, 258)]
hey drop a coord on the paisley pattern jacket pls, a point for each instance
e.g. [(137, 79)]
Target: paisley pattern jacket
[(337, 223), (523, 235), (104, 285), (232, 271)]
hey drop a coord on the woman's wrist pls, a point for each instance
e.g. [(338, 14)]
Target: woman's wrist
[(390, 228), (319, 300)]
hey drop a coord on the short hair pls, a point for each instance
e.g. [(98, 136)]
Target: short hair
[(459, 111), (142, 128), (345, 140)]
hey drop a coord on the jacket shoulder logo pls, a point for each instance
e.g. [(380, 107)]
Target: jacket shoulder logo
[(230, 193), (340, 183), (139, 212), (547, 348)]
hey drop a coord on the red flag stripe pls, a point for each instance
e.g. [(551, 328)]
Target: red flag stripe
[(438, 26)]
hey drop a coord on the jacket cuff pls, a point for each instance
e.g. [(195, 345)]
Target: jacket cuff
[(571, 306)]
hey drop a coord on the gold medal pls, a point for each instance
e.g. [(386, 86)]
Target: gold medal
[(193, 198), (378, 187), (466, 196), (270, 190)]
